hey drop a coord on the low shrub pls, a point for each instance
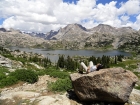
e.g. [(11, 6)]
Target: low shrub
[(60, 85), (25, 75), (123, 65), (132, 67), (57, 74), (137, 74), (2, 75), (41, 72), (4, 70), (9, 80), (137, 87)]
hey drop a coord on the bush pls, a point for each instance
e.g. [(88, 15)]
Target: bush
[(57, 74), (60, 85), (2, 75), (10, 80), (4, 70), (137, 87), (137, 74), (40, 72), (132, 67), (25, 75)]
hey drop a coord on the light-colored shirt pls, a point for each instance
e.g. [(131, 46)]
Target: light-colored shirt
[(93, 68)]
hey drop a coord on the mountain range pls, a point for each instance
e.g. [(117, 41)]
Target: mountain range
[(72, 36), (77, 31)]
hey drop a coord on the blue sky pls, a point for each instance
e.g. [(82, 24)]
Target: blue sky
[(46, 15), (98, 1)]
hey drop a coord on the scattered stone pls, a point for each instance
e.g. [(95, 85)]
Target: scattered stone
[(135, 97), (5, 62), (37, 66)]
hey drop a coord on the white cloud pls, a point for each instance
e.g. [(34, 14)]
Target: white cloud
[(125, 18), (46, 15), (130, 7), (136, 24), (105, 12)]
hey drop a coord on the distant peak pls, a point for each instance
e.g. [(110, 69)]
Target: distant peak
[(76, 25), (127, 27), (104, 25), (52, 31)]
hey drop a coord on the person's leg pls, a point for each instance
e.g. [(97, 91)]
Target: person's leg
[(84, 66), (90, 64)]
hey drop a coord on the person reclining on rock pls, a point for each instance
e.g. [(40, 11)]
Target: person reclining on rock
[(90, 68)]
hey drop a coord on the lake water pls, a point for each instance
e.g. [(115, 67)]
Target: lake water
[(53, 55)]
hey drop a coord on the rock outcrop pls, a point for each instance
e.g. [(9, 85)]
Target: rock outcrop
[(5, 62), (111, 85)]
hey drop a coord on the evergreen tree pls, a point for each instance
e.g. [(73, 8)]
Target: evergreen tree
[(61, 62), (93, 59), (115, 61), (99, 60)]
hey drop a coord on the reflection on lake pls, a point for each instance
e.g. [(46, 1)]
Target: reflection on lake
[(54, 54)]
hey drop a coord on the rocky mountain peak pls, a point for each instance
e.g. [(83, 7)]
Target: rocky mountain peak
[(126, 30), (75, 26), (51, 34), (70, 32), (104, 28), (14, 30)]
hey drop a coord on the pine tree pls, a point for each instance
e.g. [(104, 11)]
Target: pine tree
[(115, 61)]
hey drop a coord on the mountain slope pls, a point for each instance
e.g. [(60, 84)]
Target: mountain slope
[(71, 32), (102, 28), (16, 38)]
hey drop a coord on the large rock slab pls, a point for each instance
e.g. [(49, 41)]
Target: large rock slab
[(111, 85)]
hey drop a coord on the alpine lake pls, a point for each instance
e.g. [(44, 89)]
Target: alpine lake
[(53, 55)]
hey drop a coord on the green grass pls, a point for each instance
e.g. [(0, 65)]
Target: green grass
[(53, 72), (4, 70), (137, 87), (57, 74), (128, 64), (60, 85), (137, 74)]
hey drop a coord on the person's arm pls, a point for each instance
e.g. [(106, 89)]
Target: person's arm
[(88, 70)]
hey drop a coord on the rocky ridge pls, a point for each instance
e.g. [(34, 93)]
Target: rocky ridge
[(102, 35), (73, 36), (16, 38)]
